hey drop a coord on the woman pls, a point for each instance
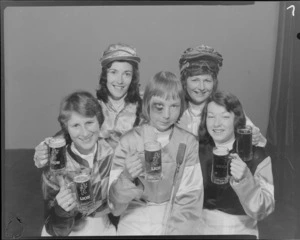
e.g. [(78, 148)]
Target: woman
[(235, 207), (142, 205), (80, 118), (199, 69), (118, 95), (118, 91)]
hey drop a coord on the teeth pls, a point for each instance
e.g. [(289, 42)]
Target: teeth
[(119, 87), (218, 130)]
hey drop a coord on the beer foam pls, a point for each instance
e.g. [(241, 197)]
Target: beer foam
[(152, 146), (57, 142), (220, 151), (81, 178)]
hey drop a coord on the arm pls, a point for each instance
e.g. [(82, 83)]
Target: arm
[(256, 193), (59, 221), (123, 185), (188, 203)]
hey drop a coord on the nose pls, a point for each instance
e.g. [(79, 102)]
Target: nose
[(217, 122), (201, 85), (120, 79), (166, 113), (84, 131)]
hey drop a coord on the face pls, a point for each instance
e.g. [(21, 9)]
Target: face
[(119, 77), (199, 87), (220, 123), (84, 132), (164, 113)]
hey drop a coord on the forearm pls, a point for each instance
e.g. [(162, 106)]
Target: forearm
[(256, 193), (59, 222)]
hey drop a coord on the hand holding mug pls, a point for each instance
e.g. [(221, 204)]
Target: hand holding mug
[(256, 135), (41, 154), (133, 166), (238, 168), (66, 199)]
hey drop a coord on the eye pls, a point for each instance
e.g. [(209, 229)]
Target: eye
[(128, 74), (175, 106), (208, 80), (112, 71), (158, 106), (75, 125)]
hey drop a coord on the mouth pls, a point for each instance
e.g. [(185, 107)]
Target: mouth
[(87, 139), (199, 92), (119, 87), (218, 131)]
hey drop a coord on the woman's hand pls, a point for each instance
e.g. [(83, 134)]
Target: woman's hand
[(133, 166), (256, 135), (41, 154), (238, 168), (66, 199)]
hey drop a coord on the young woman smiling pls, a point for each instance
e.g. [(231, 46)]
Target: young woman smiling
[(234, 207), (80, 118)]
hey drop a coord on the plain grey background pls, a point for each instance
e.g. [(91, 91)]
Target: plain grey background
[(51, 51)]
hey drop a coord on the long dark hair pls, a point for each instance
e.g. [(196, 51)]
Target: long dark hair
[(231, 103), (133, 93)]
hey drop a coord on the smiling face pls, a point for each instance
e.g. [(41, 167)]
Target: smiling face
[(84, 132), (220, 123), (119, 77), (199, 88), (164, 113)]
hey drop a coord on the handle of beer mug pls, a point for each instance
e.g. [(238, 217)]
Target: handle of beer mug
[(228, 164), (141, 156)]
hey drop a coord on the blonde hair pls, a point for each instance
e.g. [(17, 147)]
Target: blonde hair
[(166, 85)]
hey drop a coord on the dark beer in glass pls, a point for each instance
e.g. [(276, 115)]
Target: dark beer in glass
[(84, 192), (244, 143), (57, 157), (220, 165)]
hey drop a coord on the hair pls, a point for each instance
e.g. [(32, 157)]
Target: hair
[(205, 65), (231, 103), (81, 102), (166, 85), (133, 93)]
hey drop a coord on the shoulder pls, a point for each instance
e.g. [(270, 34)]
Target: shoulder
[(259, 153), (104, 147), (184, 133), (259, 156), (133, 133), (131, 107)]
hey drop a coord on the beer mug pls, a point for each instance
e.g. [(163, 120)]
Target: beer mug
[(81, 185), (57, 158), (220, 165), (244, 143), (153, 168)]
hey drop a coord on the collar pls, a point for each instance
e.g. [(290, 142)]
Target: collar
[(116, 105), (85, 160), (195, 110)]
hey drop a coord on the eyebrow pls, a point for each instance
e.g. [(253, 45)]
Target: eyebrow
[(119, 70)]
